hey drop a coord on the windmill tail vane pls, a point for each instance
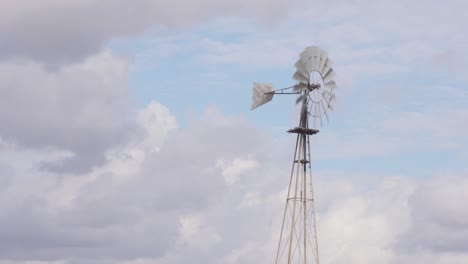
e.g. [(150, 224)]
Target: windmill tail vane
[(298, 243)]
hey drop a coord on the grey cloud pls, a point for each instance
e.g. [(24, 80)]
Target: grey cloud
[(83, 108), (64, 32), (440, 217)]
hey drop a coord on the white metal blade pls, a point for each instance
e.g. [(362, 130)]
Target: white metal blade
[(299, 87), (262, 94), (328, 100), (330, 85), (330, 75), (311, 58), (324, 110), (300, 76), (328, 65), (331, 95), (323, 60), (300, 65)]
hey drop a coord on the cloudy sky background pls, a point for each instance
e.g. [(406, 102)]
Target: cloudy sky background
[(126, 135)]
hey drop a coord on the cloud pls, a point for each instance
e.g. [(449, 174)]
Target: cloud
[(196, 234), (83, 108), (156, 128), (135, 205), (162, 198), (231, 172), (58, 32), (440, 216)]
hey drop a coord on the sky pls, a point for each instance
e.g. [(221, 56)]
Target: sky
[(126, 134)]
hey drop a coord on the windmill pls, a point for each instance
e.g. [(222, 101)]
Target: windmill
[(315, 86)]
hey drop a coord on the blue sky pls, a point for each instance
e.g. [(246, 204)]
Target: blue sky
[(383, 76), (126, 134)]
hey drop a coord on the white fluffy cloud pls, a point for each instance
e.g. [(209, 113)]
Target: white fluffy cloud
[(137, 204), (440, 216), (231, 172)]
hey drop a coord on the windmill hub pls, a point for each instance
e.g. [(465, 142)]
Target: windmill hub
[(314, 86)]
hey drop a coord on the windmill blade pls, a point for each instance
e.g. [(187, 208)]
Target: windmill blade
[(319, 108), (262, 94), (329, 99), (311, 58), (327, 102), (304, 57), (301, 71), (330, 75), (323, 61), (301, 76), (299, 64), (324, 110), (313, 115), (299, 87), (328, 65), (331, 95), (330, 85)]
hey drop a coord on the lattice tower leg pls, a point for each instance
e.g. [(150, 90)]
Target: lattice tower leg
[(298, 239)]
